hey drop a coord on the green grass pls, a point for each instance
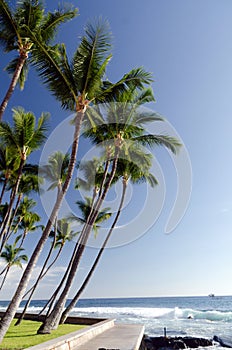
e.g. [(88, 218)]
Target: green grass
[(24, 335)]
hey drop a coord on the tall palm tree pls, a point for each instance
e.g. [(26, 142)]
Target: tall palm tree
[(75, 85), (136, 171), (23, 138), (125, 126), (14, 37), (12, 257)]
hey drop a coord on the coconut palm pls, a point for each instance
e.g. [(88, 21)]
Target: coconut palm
[(8, 164), (29, 183), (85, 208), (127, 171), (56, 170), (25, 206), (28, 224), (75, 85), (19, 212), (14, 37), (12, 257), (64, 234), (23, 138), (125, 126)]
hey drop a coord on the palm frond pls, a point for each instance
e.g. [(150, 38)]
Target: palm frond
[(52, 21), (29, 13), (7, 135), (39, 135), (169, 142), (91, 57), (144, 96), (53, 67), (8, 27), (135, 79)]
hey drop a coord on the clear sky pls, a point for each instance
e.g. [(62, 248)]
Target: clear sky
[(187, 45)]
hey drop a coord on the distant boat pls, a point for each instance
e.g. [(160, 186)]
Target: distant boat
[(211, 295)]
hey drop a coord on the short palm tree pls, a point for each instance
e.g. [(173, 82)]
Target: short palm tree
[(29, 183), (29, 224), (8, 164), (12, 257), (14, 37), (55, 171), (23, 138), (19, 213), (24, 207)]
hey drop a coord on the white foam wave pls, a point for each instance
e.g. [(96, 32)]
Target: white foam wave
[(156, 313)]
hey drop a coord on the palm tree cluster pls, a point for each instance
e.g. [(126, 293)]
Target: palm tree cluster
[(112, 117)]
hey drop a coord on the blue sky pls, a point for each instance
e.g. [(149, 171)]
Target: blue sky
[(187, 46)]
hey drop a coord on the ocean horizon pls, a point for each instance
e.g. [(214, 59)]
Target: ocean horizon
[(198, 316)]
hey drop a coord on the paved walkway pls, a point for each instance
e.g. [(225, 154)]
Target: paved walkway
[(119, 337)]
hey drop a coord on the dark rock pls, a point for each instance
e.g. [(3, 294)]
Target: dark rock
[(192, 342), (159, 343)]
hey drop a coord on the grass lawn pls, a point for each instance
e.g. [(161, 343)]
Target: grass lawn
[(24, 335)]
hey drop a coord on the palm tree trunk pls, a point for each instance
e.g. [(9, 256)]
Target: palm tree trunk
[(32, 290), (4, 278), (3, 189), (54, 295), (12, 199), (42, 272), (20, 196), (86, 281), (20, 291), (7, 234), (14, 80), (52, 321)]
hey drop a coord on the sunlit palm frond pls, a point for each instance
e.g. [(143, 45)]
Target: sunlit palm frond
[(52, 21), (91, 58)]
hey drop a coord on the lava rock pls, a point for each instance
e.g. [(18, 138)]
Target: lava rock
[(159, 343)]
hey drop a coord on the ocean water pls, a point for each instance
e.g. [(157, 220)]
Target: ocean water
[(209, 315)]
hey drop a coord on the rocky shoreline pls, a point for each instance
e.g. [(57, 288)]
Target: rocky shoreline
[(164, 342)]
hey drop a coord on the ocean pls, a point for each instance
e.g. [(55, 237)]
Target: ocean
[(185, 316)]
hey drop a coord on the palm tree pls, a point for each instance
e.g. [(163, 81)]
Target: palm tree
[(8, 164), (56, 170), (85, 207), (12, 257), (23, 138), (128, 171), (125, 126), (64, 234), (29, 183), (28, 225), (14, 37), (19, 213), (76, 85)]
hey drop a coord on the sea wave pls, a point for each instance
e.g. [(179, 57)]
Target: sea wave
[(156, 313)]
